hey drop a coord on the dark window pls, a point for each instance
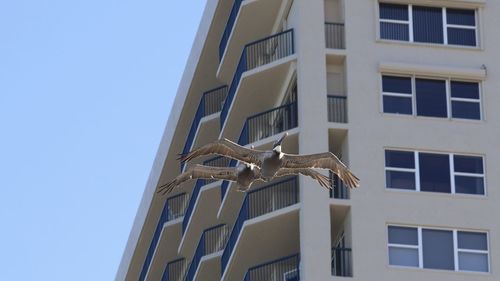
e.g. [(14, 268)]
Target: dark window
[(472, 261), (400, 180), (427, 25), (401, 160), (403, 235), (472, 241), (457, 35), (394, 30), (434, 172), (403, 256), (400, 103), (469, 184), (396, 84), (469, 108), (394, 11), (431, 98), (468, 164), (461, 17), (437, 249)]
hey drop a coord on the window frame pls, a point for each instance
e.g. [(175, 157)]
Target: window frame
[(451, 157), (449, 98), (456, 250), (445, 25)]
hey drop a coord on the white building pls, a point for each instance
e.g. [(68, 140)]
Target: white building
[(403, 90)]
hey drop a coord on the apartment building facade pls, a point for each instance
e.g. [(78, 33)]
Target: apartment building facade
[(404, 91)]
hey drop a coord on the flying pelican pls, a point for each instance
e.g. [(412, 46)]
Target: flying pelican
[(271, 161), (244, 175)]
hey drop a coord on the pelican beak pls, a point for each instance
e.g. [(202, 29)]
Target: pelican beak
[(278, 142)]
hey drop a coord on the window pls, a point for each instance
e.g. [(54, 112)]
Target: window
[(434, 172), (439, 98), (438, 248), (426, 24)]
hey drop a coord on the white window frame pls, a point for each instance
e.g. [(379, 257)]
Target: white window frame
[(445, 25), (456, 250), (449, 98), (416, 171)]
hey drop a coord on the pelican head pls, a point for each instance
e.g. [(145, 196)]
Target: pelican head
[(277, 145), (250, 166)]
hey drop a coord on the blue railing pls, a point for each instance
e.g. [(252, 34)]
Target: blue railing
[(337, 109), (225, 184), (174, 207), (334, 35), (175, 270), (211, 102), (341, 262), (229, 27), (212, 240), (255, 54), (218, 161), (340, 190), (286, 269), (258, 202)]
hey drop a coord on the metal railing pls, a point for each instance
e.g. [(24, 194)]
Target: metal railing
[(225, 184), (210, 103), (174, 208), (218, 161), (212, 240), (334, 35), (269, 123), (258, 202), (255, 54), (229, 27), (341, 262), (286, 269), (175, 270), (340, 190), (337, 109)]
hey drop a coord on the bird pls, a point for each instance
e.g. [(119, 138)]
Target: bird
[(244, 175), (271, 161)]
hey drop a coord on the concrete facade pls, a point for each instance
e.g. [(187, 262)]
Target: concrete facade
[(316, 222)]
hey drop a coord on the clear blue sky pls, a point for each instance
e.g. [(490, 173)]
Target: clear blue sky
[(86, 88)]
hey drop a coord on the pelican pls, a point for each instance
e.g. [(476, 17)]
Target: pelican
[(244, 175), (271, 161)]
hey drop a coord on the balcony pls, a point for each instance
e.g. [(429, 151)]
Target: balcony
[(334, 35), (340, 190), (175, 270), (211, 103), (174, 208), (262, 52), (337, 109), (341, 262), (259, 202), (286, 269), (212, 241)]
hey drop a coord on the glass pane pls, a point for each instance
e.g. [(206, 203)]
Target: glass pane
[(403, 257), (472, 240), (434, 172), (467, 90), (393, 11), (400, 180), (431, 98), (400, 159), (473, 262), (461, 17), (465, 110), (438, 249), (395, 84), (403, 235), (469, 185), (399, 105), (468, 164), (461, 36), (427, 24), (394, 31)]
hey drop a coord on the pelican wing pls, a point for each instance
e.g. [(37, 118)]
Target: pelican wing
[(227, 148), (323, 180), (200, 172), (326, 160)]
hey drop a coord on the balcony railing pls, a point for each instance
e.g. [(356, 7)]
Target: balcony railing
[(341, 262), (259, 202), (334, 35), (229, 27), (218, 161), (175, 271), (286, 269), (255, 54), (337, 109), (210, 103), (340, 190), (174, 208), (212, 240)]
